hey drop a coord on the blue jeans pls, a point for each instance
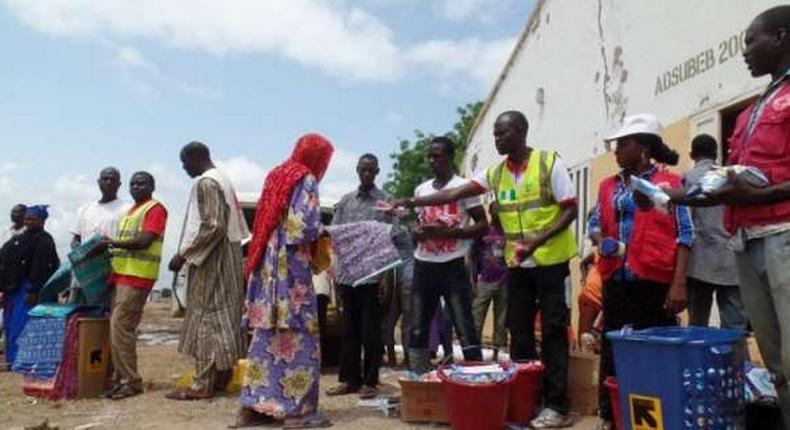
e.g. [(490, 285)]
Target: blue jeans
[(449, 280), (728, 298)]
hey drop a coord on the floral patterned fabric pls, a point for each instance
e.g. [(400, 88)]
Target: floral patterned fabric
[(284, 370), (364, 249)]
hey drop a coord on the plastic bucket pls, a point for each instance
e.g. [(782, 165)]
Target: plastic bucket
[(614, 395), (525, 392), (475, 406)]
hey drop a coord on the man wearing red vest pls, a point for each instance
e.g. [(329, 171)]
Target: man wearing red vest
[(759, 218)]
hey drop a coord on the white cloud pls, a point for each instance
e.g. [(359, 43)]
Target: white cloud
[(456, 10), (246, 175), (64, 197), (341, 177), (149, 79), (9, 166), (340, 39), (482, 60), (7, 188), (132, 58), (394, 117), (484, 10)]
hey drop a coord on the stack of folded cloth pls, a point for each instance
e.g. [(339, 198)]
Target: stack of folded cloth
[(47, 355)]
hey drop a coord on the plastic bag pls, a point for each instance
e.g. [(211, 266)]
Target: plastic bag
[(480, 374), (431, 376), (717, 177), (759, 385), (651, 190)]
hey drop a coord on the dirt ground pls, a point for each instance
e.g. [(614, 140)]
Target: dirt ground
[(160, 366)]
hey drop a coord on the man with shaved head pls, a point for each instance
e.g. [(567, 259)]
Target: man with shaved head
[(210, 254), (101, 216)]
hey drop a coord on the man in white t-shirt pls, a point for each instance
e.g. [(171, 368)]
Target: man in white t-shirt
[(444, 234), (536, 205), (102, 216)]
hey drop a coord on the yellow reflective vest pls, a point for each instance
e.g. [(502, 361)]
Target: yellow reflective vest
[(142, 263), (527, 209)]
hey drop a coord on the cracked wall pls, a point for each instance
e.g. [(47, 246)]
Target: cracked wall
[(598, 61)]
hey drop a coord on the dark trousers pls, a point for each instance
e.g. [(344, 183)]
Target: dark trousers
[(636, 303), (542, 288), (728, 298), (449, 280), (362, 320)]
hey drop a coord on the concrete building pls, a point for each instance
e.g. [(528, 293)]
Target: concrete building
[(579, 67)]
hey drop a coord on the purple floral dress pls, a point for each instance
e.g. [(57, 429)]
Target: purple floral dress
[(284, 357)]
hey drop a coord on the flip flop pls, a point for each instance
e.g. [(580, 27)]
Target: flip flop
[(250, 424), (124, 391), (109, 393), (342, 390), (308, 423)]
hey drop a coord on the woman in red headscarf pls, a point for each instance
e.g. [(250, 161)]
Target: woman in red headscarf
[(282, 377)]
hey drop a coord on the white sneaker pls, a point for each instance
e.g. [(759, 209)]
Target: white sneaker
[(603, 425), (551, 419)]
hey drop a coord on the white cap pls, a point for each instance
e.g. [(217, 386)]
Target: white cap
[(642, 123)]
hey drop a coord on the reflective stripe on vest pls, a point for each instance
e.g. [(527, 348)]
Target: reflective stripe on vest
[(530, 209), (141, 263)]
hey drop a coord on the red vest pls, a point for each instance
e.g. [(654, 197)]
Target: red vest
[(768, 149), (652, 247)]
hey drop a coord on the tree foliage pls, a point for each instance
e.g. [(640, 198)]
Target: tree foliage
[(410, 167)]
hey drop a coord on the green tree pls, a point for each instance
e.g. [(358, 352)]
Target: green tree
[(410, 168)]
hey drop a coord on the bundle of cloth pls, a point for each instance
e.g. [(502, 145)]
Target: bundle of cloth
[(88, 269), (91, 270), (364, 250), (47, 356)]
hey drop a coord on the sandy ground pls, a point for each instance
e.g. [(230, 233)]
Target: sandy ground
[(161, 365)]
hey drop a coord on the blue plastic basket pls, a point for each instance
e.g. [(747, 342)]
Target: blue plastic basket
[(680, 378)]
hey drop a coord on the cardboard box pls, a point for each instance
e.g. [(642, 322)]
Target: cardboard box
[(423, 402), (93, 356), (583, 382)]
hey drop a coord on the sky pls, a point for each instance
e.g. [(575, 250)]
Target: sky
[(91, 83)]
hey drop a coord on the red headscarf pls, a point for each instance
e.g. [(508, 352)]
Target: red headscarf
[(310, 157)]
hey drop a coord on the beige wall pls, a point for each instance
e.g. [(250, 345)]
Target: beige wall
[(678, 136)]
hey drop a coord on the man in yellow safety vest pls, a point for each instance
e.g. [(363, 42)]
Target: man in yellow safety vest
[(136, 255), (536, 204)]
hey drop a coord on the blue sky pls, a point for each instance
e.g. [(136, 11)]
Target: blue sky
[(92, 83)]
